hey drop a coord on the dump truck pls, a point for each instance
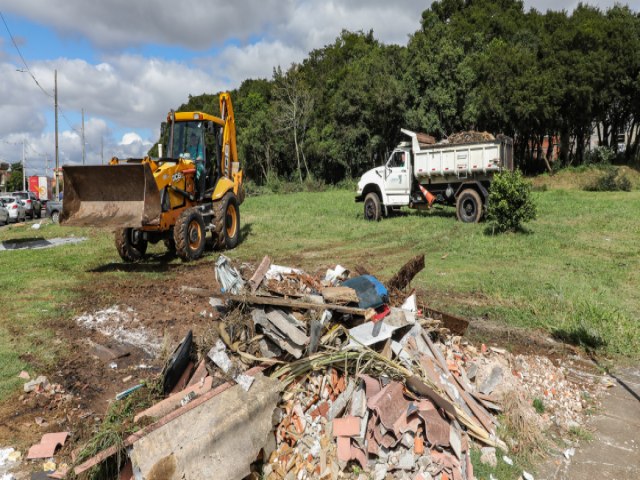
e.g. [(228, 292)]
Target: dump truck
[(192, 189), (418, 175)]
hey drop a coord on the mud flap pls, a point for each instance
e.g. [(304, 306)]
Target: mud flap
[(114, 196)]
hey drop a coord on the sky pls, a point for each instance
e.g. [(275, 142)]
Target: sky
[(127, 63)]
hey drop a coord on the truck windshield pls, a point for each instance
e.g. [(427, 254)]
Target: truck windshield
[(187, 140)]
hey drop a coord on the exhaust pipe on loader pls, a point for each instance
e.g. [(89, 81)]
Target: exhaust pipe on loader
[(115, 196)]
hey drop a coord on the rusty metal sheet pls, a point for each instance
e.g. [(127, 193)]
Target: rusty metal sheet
[(114, 196)]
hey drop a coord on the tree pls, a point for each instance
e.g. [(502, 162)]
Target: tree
[(293, 106), (15, 179)]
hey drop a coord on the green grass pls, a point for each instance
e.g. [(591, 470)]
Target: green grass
[(502, 471), (575, 273)]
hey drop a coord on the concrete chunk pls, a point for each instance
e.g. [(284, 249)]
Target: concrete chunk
[(218, 439)]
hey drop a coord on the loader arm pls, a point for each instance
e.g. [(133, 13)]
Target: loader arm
[(229, 162)]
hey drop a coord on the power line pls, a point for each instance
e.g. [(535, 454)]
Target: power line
[(67, 120), (24, 62)]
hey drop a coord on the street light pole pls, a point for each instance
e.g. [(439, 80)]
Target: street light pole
[(83, 154), (24, 180), (55, 96)]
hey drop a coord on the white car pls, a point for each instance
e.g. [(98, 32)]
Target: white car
[(16, 209), (4, 214)]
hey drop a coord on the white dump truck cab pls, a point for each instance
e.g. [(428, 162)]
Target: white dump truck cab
[(417, 176)]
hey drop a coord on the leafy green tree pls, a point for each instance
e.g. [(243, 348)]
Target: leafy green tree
[(14, 183)]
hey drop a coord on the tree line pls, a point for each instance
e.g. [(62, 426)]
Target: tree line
[(548, 80)]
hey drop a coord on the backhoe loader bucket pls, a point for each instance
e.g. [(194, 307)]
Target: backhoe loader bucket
[(116, 196)]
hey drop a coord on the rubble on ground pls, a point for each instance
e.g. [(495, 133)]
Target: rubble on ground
[(327, 375)]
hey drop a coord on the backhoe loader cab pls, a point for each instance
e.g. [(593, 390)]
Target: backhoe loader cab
[(194, 187)]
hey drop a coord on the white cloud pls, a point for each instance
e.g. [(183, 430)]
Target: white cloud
[(133, 91), (195, 24), (256, 60), (129, 138)]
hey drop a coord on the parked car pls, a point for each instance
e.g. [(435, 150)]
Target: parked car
[(4, 214), (32, 204), (16, 209), (54, 207)]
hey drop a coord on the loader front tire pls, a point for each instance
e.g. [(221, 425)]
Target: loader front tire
[(189, 235), (130, 245), (227, 221)]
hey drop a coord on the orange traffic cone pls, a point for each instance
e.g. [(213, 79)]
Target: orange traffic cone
[(427, 195)]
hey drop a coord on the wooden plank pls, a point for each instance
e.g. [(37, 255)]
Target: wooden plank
[(298, 305), (484, 417), (340, 295), (456, 325), (258, 276), (409, 270)]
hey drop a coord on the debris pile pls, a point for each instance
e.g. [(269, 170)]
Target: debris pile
[(321, 376), (562, 401)]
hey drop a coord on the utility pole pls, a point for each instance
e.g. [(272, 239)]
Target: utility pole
[(24, 178), (102, 149), (55, 95), (83, 136)]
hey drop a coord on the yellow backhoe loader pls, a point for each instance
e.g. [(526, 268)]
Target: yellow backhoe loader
[(194, 187)]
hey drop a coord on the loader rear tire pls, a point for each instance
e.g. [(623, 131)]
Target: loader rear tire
[(130, 248), (227, 221), (189, 235), (469, 206)]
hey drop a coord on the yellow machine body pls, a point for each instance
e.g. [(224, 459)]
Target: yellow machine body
[(150, 194)]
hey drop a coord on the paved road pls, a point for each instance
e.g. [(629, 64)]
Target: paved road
[(614, 452)]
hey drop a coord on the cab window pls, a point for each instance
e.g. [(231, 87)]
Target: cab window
[(398, 159)]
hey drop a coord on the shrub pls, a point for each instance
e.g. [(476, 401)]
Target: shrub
[(599, 156), (611, 181), (510, 202)]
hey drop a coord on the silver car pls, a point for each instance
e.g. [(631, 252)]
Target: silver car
[(16, 209), (4, 214)]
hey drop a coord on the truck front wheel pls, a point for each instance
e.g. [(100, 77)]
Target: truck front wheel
[(469, 206), (372, 207)]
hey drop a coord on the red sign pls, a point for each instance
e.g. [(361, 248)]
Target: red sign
[(34, 185)]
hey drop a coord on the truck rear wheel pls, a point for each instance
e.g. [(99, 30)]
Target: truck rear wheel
[(372, 207), (469, 206), (130, 244), (227, 221), (189, 235)]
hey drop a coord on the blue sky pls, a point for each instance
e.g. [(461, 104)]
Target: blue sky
[(127, 63)]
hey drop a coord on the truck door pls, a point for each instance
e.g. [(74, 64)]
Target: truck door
[(397, 172)]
